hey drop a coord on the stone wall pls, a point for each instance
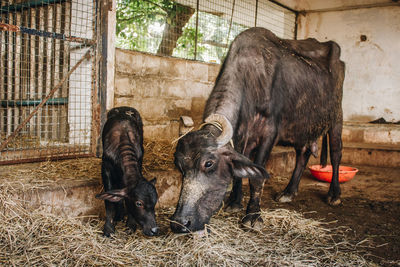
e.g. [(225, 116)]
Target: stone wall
[(162, 89)]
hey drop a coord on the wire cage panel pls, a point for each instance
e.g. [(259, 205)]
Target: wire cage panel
[(41, 41), (196, 29)]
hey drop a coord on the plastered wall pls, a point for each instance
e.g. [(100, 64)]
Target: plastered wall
[(370, 42), (162, 89)]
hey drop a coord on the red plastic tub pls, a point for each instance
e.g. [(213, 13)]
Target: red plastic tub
[(325, 174)]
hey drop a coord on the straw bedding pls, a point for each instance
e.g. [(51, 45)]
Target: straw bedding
[(48, 173), (34, 237), (158, 155)]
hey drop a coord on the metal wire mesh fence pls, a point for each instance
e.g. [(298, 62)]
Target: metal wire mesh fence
[(195, 29), (45, 75)]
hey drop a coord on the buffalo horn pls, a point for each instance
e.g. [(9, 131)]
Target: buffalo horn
[(227, 130)]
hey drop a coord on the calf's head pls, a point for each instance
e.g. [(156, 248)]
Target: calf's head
[(208, 166), (140, 201)]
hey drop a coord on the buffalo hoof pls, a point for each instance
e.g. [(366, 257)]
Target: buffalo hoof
[(285, 198), (334, 201), (233, 207), (253, 222), (108, 230)]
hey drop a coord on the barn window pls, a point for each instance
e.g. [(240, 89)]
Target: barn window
[(200, 30), (47, 74)]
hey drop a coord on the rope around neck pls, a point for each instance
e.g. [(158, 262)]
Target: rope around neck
[(218, 126)]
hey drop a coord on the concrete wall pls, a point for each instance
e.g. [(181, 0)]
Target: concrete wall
[(324, 5), (372, 83), (162, 89)]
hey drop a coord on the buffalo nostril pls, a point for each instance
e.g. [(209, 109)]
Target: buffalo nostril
[(180, 226), (186, 223), (154, 230)]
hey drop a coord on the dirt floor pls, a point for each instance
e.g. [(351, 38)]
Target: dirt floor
[(370, 208)]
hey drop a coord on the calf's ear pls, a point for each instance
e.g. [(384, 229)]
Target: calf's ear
[(243, 167), (114, 195)]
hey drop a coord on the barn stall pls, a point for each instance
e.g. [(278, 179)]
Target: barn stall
[(61, 72)]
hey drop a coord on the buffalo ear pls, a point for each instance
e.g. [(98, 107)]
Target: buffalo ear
[(243, 167), (114, 195)]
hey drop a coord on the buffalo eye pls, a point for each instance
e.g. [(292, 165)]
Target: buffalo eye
[(208, 164), (139, 204)]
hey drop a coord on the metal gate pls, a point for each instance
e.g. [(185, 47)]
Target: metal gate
[(48, 79)]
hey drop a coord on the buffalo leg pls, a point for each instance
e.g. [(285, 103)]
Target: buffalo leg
[(302, 156), (335, 152), (119, 212), (252, 217), (109, 225), (234, 202), (131, 223), (106, 172)]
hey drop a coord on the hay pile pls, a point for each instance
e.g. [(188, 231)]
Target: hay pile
[(37, 238), (158, 155), (48, 173)]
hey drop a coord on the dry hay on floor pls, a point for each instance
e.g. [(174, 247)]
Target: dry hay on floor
[(37, 238), (158, 155), (45, 174)]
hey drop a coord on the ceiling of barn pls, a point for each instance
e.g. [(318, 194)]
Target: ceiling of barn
[(334, 5)]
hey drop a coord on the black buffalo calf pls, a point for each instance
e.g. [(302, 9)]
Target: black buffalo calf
[(126, 191)]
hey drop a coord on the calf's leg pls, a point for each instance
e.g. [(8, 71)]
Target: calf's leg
[(131, 223), (109, 225), (119, 212), (106, 174)]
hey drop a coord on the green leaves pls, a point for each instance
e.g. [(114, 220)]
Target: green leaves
[(141, 25)]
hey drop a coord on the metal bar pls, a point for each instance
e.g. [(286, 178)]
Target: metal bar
[(31, 4), (102, 54), (64, 64), (197, 29), (284, 6), (16, 131), (345, 8), (35, 102), (255, 15), (54, 35), (296, 25), (230, 24), (69, 155)]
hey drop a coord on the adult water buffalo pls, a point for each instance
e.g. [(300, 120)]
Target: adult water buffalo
[(268, 91), (126, 191)]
